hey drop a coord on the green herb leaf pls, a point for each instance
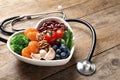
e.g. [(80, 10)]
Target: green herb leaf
[(68, 38)]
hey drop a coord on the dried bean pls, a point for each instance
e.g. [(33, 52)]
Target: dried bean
[(62, 25), (49, 27), (56, 26), (52, 26), (55, 29), (48, 23), (44, 25)]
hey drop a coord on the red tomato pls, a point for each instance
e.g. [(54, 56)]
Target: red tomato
[(59, 33), (51, 37)]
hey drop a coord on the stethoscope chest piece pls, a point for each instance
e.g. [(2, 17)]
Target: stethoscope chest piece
[(85, 67)]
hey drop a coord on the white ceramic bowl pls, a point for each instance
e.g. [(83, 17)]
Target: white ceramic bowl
[(42, 62)]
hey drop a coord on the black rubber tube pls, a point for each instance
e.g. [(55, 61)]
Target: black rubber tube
[(3, 40), (93, 35), (2, 25)]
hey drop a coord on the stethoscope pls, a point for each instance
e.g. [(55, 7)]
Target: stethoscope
[(85, 67)]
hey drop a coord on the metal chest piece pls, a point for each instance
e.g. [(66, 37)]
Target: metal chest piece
[(85, 67)]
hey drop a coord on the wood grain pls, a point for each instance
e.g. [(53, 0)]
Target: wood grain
[(42, 72), (89, 7), (16, 7), (108, 68), (107, 36), (75, 9), (22, 7)]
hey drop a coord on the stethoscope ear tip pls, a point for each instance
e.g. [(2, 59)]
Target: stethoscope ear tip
[(85, 67), (59, 7)]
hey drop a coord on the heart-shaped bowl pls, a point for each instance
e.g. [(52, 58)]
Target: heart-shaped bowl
[(43, 62)]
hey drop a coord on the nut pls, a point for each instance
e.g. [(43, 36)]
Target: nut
[(40, 36), (43, 45)]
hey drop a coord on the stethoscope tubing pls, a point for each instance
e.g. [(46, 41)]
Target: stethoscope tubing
[(93, 35), (2, 25)]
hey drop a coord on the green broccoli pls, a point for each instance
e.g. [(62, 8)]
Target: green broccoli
[(18, 42)]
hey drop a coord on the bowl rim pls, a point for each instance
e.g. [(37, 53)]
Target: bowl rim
[(44, 61)]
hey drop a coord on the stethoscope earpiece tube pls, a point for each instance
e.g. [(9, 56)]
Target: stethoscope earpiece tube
[(2, 25), (93, 35), (86, 67)]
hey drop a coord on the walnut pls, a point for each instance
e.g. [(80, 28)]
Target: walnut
[(40, 36), (44, 45)]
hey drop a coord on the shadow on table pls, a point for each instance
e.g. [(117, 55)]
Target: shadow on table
[(31, 72)]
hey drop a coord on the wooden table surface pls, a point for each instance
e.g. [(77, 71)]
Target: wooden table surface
[(104, 15)]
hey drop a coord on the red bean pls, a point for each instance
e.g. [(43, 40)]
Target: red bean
[(51, 25), (44, 24), (62, 25)]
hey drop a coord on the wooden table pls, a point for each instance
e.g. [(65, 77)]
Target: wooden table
[(104, 15)]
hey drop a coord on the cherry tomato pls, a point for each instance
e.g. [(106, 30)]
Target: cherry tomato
[(59, 33), (51, 37)]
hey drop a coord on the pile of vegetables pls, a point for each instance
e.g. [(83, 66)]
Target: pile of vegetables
[(51, 40), (18, 42)]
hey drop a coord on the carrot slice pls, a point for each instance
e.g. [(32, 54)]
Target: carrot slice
[(31, 29), (26, 52), (33, 46), (32, 36)]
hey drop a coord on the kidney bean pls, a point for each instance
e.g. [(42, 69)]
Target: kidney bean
[(44, 25), (48, 23), (55, 22), (51, 25), (62, 25), (56, 26), (55, 29)]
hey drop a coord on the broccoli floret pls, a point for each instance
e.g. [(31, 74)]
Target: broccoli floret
[(18, 42), (16, 48)]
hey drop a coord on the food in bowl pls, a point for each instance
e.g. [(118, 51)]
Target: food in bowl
[(52, 40), (50, 43)]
